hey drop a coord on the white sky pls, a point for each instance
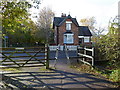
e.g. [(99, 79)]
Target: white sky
[(102, 10)]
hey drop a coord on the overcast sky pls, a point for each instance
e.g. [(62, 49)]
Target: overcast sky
[(102, 10)]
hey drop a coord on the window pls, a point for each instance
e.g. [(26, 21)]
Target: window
[(68, 38), (68, 25), (86, 39)]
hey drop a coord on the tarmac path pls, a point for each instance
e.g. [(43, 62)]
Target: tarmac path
[(63, 77)]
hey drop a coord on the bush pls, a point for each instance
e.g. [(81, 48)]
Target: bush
[(109, 49), (115, 75)]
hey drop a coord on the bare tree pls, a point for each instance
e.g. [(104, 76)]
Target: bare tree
[(90, 22), (45, 23)]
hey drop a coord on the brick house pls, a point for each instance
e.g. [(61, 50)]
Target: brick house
[(67, 31)]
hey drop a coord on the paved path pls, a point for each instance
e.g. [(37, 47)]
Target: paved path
[(61, 77)]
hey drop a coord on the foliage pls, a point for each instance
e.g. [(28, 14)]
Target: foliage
[(115, 75), (109, 46), (20, 29), (16, 23), (112, 75)]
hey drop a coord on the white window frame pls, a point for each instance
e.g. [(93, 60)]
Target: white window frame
[(68, 25), (68, 38), (86, 39)]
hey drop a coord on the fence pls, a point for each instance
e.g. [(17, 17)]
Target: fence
[(86, 52), (25, 57), (61, 47)]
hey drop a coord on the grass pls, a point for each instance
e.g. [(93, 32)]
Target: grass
[(85, 68), (110, 74), (11, 69)]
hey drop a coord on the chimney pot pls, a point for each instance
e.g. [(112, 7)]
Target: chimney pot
[(63, 15)]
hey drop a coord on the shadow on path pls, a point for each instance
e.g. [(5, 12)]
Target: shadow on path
[(54, 79)]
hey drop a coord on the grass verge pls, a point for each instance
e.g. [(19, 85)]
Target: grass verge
[(11, 69), (111, 75)]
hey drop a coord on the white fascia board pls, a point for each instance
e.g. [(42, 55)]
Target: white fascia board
[(69, 34), (80, 36), (68, 21)]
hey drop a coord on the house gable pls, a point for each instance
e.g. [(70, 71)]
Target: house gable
[(58, 21), (68, 31)]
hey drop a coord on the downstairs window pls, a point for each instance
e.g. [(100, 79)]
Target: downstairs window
[(68, 39)]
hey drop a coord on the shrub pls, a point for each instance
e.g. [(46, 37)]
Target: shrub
[(115, 75), (109, 49)]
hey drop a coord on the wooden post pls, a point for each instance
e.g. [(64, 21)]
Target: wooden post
[(84, 52), (77, 54), (93, 56), (47, 56)]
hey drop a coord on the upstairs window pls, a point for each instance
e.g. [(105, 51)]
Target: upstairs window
[(68, 25)]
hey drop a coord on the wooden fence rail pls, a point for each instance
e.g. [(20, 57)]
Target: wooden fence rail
[(84, 51), (24, 57)]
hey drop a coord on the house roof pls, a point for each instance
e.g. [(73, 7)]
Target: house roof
[(84, 31), (58, 21)]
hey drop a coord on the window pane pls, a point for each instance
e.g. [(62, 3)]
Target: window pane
[(68, 38), (68, 26), (65, 38), (86, 39)]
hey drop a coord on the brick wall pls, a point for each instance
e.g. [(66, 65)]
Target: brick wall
[(62, 30)]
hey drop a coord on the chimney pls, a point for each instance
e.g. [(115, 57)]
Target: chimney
[(63, 15)]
